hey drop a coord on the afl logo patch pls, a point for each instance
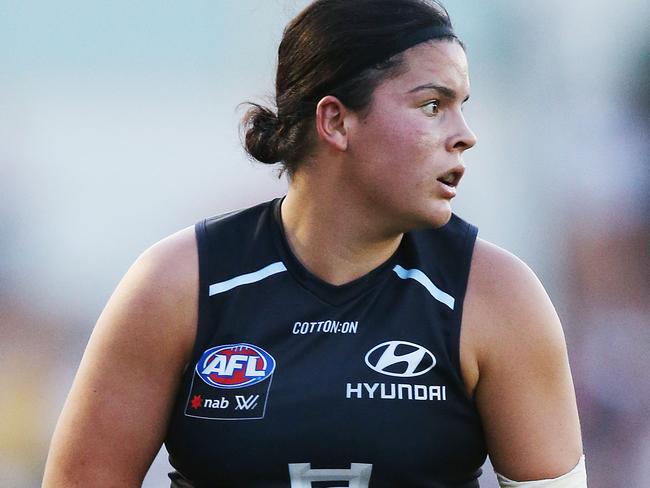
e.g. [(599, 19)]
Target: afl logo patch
[(400, 358), (235, 365)]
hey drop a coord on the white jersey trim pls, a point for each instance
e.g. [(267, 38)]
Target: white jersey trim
[(576, 478), (424, 280), (248, 278)]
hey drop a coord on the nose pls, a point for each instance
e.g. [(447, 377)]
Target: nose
[(462, 137)]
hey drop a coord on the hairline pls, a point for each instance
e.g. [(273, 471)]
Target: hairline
[(394, 71)]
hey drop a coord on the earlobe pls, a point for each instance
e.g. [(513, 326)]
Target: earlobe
[(330, 122)]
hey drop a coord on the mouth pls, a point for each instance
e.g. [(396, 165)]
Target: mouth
[(452, 177)]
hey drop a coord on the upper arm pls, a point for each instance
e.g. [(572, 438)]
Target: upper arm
[(524, 391), (115, 417)]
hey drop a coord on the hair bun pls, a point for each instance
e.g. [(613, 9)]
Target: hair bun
[(262, 130)]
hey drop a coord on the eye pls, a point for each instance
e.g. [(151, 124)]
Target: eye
[(431, 108)]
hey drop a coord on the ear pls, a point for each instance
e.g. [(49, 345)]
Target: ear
[(330, 122)]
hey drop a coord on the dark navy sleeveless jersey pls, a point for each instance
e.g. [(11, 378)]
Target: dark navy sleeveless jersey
[(296, 383)]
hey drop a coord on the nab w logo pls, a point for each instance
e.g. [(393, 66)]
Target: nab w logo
[(400, 358), (235, 365), (246, 403), (234, 384)]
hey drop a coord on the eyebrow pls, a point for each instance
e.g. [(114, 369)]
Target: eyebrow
[(443, 90)]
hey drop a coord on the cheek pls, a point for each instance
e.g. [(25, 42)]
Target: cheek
[(400, 140), (419, 149), (399, 150)]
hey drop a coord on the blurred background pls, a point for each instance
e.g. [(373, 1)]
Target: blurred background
[(119, 126)]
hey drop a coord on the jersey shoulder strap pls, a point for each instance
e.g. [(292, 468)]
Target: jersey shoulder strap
[(445, 253), (231, 245)]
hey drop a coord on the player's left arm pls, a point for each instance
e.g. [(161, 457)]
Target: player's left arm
[(524, 390)]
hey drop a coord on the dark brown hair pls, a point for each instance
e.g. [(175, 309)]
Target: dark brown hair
[(343, 48)]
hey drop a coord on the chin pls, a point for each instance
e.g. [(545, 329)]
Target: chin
[(441, 219), (439, 213), (432, 218)]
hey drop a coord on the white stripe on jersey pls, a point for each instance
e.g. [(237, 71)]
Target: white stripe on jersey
[(423, 279), (247, 278)]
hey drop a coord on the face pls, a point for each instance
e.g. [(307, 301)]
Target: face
[(406, 153)]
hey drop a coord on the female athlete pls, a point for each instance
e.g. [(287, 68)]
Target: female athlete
[(354, 332)]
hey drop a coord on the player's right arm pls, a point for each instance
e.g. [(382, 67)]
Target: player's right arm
[(115, 417)]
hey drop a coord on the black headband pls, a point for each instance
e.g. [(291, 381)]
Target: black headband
[(373, 58), (408, 41)]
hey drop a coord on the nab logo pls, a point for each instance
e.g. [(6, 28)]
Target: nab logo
[(235, 365), (400, 358)]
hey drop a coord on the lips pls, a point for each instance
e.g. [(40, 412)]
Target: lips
[(452, 177)]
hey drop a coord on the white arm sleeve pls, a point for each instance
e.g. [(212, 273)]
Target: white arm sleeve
[(576, 478)]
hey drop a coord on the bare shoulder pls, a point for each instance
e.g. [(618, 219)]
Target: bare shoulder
[(174, 257), (496, 274), (126, 384), (166, 271), (515, 356), (506, 305), (508, 315), (160, 293)]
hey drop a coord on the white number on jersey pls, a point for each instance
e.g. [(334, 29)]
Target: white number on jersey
[(302, 475)]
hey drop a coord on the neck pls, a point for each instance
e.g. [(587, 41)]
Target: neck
[(332, 237)]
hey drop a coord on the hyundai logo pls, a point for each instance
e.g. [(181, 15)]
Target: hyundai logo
[(400, 358)]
